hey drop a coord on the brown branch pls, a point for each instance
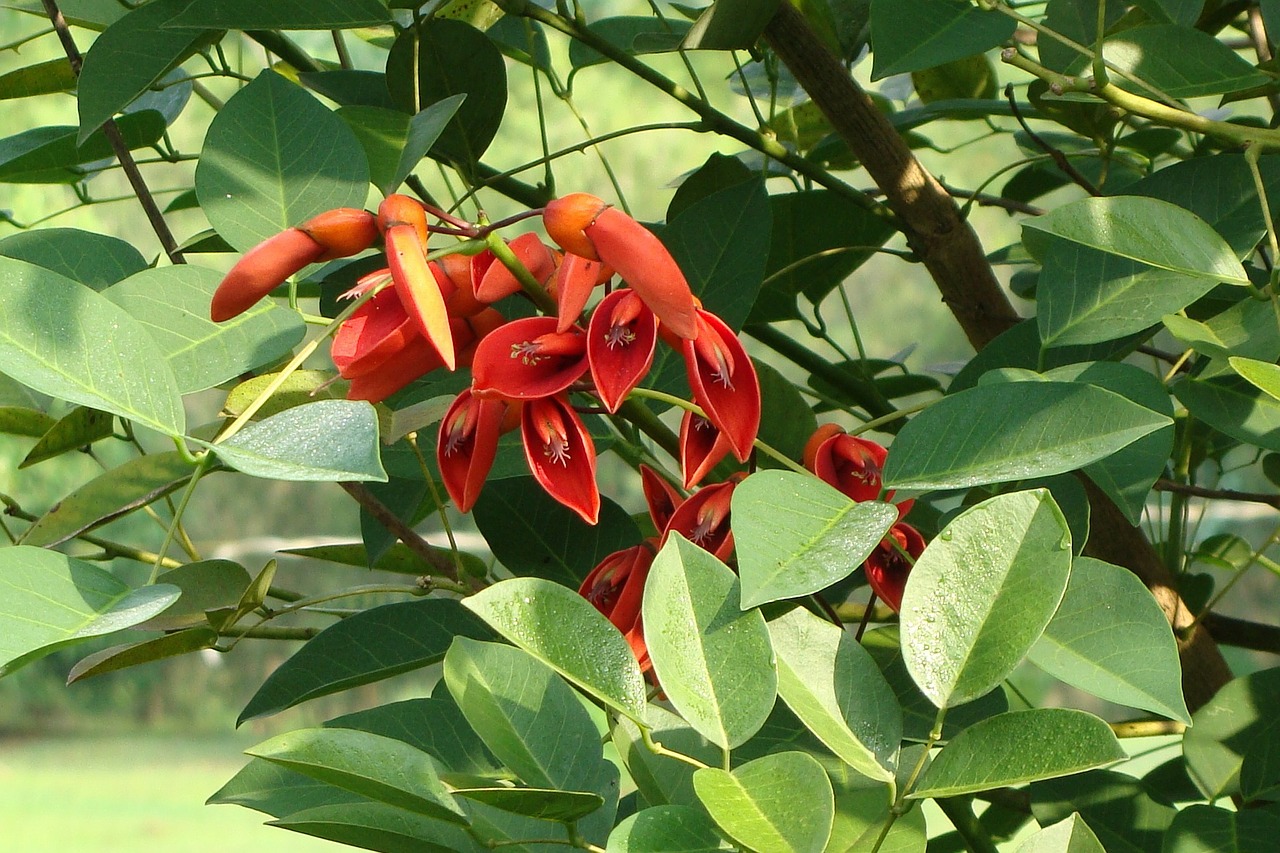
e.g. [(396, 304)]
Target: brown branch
[(1163, 485), (1059, 159), (952, 253), (438, 562), (1242, 633), (112, 133), (987, 200)]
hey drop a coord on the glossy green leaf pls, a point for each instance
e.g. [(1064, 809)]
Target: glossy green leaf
[(532, 534), (49, 600), (1234, 407), (1210, 829), (666, 829), (1147, 230), (1110, 638), (173, 304), (364, 648), (633, 34), (328, 441), (713, 660), (280, 15), (1018, 747), (730, 25), (424, 129), (380, 827), (96, 260), (272, 159), (1240, 719), (782, 803), (1263, 375), (1117, 808), (1068, 836), (383, 769), (1180, 61), (111, 495), (539, 803), (351, 87), (530, 719), (916, 34), (80, 427), (50, 155), (382, 132), (42, 78), (126, 655), (205, 585), (64, 340), (982, 593), (131, 55), (278, 791), (565, 631), (834, 686), (434, 725), (1014, 431), (661, 779), (797, 535)]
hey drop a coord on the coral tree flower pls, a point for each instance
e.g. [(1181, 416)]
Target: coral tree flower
[(528, 358), (467, 445), (702, 446), (850, 463), (724, 382), (561, 454), (660, 495), (404, 225), (703, 518), (890, 563), (616, 588), (621, 339)]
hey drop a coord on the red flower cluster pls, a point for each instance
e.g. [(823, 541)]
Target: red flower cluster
[(852, 465), (424, 315)]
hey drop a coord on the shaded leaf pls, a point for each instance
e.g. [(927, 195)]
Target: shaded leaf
[(205, 585), (666, 829), (80, 427), (145, 651), (280, 15), (1237, 721), (96, 260), (916, 34), (781, 803)]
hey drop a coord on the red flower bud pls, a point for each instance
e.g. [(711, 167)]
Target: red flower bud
[(891, 562)]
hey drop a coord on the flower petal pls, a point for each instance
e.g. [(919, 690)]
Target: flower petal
[(660, 495), (645, 264), (702, 446), (703, 519), (888, 568), (621, 339), (499, 282), (466, 446), (561, 454), (419, 289), (377, 331), (527, 358), (724, 382), (575, 278)]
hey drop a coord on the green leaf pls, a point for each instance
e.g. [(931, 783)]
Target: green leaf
[(80, 427), (909, 35), (730, 25), (1237, 721), (834, 686), (998, 751), (1014, 431), (982, 593), (369, 646), (786, 421), (50, 155), (299, 387), (1068, 836), (1210, 829), (96, 260), (398, 559), (146, 651), (111, 495), (1118, 810), (713, 660), (205, 585), (280, 15), (532, 534), (381, 768), (1105, 610), (540, 803), (661, 779), (434, 725), (424, 129), (273, 158), (530, 719), (49, 600), (328, 441), (1147, 230), (635, 35), (378, 826), (969, 78), (42, 78), (565, 631), (277, 791), (1234, 407), (382, 132), (797, 535), (130, 56), (351, 87), (31, 423), (666, 829), (62, 339), (173, 304), (1263, 375), (1180, 61), (782, 803)]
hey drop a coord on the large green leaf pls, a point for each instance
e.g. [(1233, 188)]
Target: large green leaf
[(434, 725), (1014, 431), (1067, 836), (1109, 637), (796, 535), (714, 660), (41, 78), (50, 155), (131, 55), (49, 600), (1125, 818), (424, 129), (1180, 61), (1234, 407), (80, 427), (123, 656), (1210, 829), (782, 803), (110, 495), (1147, 230), (206, 585), (65, 340), (540, 803), (633, 34), (786, 421), (562, 629), (982, 593), (96, 260), (278, 791), (272, 159), (361, 649), (173, 304), (909, 35), (666, 829), (834, 686), (998, 751), (377, 767), (327, 441), (381, 827), (1240, 719), (280, 15), (730, 25)]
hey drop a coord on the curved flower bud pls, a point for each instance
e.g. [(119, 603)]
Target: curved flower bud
[(498, 282), (528, 358), (419, 289), (574, 280), (724, 382), (702, 446), (261, 270), (561, 454), (343, 231), (399, 209), (703, 519), (467, 445), (891, 562), (566, 220), (850, 463), (660, 495), (621, 339)]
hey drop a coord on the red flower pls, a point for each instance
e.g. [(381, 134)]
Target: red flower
[(467, 445), (660, 495), (561, 454), (405, 229), (724, 382), (616, 588), (888, 566), (850, 463), (702, 446), (497, 281), (378, 330), (528, 358), (621, 339), (575, 278), (703, 519)]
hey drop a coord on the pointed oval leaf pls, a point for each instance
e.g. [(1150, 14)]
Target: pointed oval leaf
[(1263, 375), (272, 159), (1117, 807), (278, 791), (380, 768), (1072, 835), (205, 585), (424, 129), (1014, 431), (782, 803), (713, 660), (327, 441), (565, 631), (280, 15), (796, 535), (378, 826), (1180, 61), (80, 427), (1210, 829), (540, 803), (1148, 230), (834, 686), (434, 725), (50, 155), (40, 78), (132, 654), (917, 34), (56, 337), (1237, 721), (30, 423), (361, 649), (666, 829), (1017, 747), (1234, 407), (1106, 609), (96, 260), (982, 593)]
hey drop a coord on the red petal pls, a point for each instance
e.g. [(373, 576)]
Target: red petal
[(575, 278), (467, 445), (727, 389), (526, 358), (418, 358), (621, 339), (703, 519), (377, 331), (499, 282), (261, 270), (887, 568), (419, 291), (702, 446), (645, 264), (561, 455), (660, 495)]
